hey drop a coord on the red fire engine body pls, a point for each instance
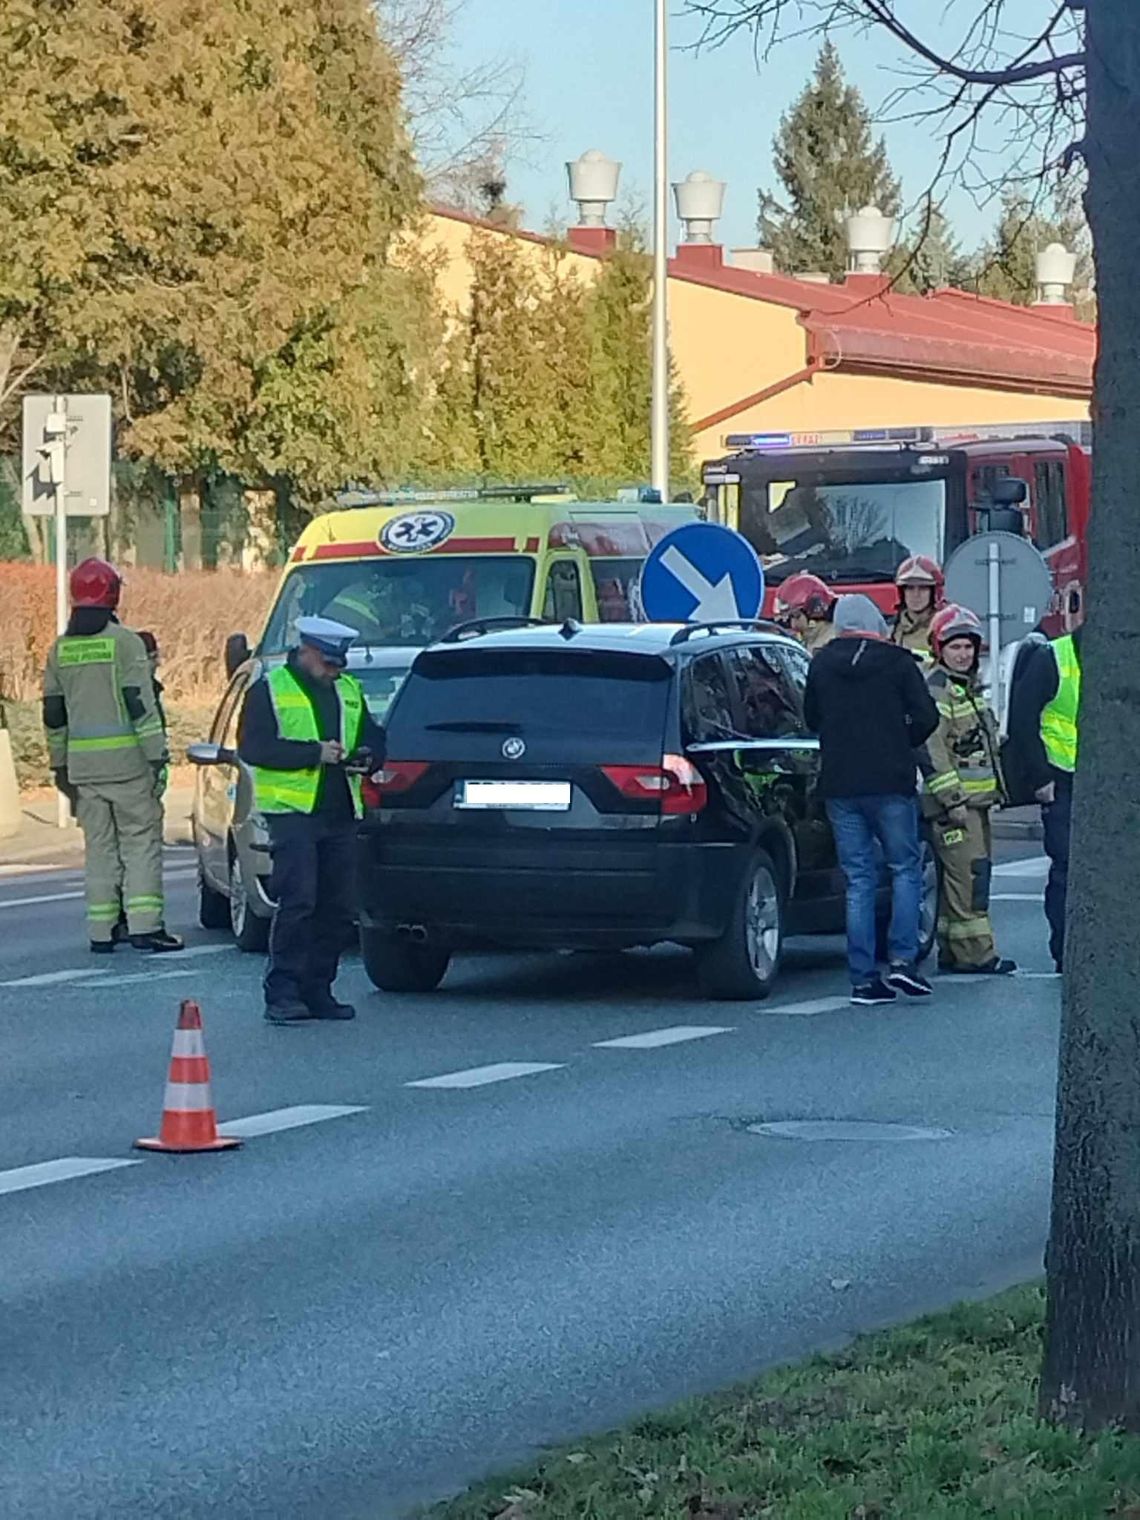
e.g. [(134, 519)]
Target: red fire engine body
[(851, 506)]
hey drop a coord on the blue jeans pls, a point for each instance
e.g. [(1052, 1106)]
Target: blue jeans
[(857, 822)]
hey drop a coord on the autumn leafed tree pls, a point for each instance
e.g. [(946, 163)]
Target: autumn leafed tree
[(201, 208), (1068, 90), (829, 164)]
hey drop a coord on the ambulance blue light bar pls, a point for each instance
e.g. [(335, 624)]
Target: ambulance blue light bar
[(906, 437)]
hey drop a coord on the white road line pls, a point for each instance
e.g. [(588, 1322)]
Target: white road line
[(652, 1039), (50, 978), (48, 897), (105, 980), (809, 1009), (22, 1177), (101, 976), (481, 1076), (1036, 865), (288, 1118), (1034, 897), (1038, 976)]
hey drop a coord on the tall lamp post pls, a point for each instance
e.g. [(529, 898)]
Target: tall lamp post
[(659, 405)]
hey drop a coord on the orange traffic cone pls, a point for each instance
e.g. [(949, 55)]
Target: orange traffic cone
[(188, 1119)]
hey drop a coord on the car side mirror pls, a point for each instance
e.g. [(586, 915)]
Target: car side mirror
[(210, 754), (237, 652)]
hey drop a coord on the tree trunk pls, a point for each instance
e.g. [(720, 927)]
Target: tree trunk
[(1091, 1374)]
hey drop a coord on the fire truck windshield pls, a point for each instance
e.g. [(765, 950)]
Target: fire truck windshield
[(859, 530)]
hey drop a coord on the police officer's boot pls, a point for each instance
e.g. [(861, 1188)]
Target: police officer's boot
[(291, 1011), (325, 1006)]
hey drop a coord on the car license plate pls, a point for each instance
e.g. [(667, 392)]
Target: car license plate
[(542, 796)]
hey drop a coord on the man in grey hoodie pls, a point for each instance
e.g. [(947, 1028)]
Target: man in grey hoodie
[(868, 702)]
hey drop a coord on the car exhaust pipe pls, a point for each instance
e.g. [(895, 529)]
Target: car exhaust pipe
[(415, 932)]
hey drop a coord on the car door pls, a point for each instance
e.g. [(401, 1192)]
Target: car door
[(217, 786)]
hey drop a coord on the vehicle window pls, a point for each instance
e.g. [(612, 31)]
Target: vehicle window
[(982, 480), (708, 702), (565, 705), (767, 701), (614, 582), (563, 592), (844, 529), (409, 601), (381, 679), (224, 731), (1052, 513)]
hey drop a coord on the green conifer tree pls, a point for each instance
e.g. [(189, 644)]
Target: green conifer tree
[(829, 165)]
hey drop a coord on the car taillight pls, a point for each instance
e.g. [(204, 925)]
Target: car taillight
[(676, 784), (394, 776)]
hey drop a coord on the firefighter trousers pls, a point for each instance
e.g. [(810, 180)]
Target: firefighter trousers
[(965, 934), (122, 833)]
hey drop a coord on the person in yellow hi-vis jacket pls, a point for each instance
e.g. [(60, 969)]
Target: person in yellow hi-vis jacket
[(962, 783), (108, 755)]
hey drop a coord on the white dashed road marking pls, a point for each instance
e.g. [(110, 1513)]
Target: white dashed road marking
[(288, 1118), (811, 1008), (1033, 897), (102, 976), (24, 1177), (134, 978), (654, 1038), (1036, 865), (482, 1076), (50, 978), (48, 897)]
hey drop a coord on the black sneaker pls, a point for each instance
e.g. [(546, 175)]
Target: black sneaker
[(158, 943), (910, 980), (292, 1012), (331, 1009), (868, 994), (998, 967), (102, 946)]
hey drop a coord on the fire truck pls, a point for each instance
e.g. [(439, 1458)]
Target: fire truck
[(850, 506)]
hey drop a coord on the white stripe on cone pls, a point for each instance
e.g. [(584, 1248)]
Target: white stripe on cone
[(188, 1042), (187, 1097)]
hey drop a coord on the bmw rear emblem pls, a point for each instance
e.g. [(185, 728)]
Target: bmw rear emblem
[(513, 749)]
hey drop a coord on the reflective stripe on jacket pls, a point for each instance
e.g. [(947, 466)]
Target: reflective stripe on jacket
[(960, 760), (1059, 717), (298, 791), (101, 716)]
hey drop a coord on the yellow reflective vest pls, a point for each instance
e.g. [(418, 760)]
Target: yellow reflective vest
[(1060, 716), (297, 791)]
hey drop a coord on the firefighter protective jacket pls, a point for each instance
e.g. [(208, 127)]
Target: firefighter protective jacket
[(99, 708)]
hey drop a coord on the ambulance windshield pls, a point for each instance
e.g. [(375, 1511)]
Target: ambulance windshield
[(401, 602)]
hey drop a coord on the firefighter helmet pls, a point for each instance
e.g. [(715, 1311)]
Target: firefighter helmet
[(954, 622), (920, 570), (806, 594), (95, 583)]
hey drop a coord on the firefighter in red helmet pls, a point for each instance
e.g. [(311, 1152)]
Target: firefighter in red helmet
[(804, 605), (920, 584), (108, 755), (962, 783)]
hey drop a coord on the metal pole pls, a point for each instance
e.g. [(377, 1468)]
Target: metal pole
[(994, 621), (659, 408), (58, 446)]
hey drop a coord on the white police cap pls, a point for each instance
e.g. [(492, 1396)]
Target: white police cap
[(327, 636)]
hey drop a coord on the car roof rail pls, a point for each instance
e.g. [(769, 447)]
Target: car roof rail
[(475, 626), (725, 625)]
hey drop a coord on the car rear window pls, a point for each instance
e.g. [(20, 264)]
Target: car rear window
[(564, 704)]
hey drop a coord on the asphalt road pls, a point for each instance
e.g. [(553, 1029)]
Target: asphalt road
[(419, 1284)]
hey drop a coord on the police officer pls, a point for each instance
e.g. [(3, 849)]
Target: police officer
[(920, 582), (1044, 718), (805, 605), (109, 757), (299, 726), (962, 780)]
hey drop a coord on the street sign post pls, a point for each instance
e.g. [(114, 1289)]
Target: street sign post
[(66, 473), (1007, 582), (700, 573)]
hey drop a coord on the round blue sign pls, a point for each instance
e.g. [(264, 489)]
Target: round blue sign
[(702, 573)]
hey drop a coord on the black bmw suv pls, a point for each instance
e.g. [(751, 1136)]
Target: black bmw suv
[(604, 786)]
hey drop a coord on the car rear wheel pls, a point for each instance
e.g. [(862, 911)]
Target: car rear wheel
[(213, 907), (401, 965), (745, 961), (250, 931)]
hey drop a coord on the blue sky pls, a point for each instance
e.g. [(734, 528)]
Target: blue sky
[(589, 85)]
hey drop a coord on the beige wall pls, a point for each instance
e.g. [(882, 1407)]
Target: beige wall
[(728, 346)]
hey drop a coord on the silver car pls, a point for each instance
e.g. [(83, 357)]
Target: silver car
[(230, 836)]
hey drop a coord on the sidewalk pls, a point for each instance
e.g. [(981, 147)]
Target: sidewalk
[(39, 841)]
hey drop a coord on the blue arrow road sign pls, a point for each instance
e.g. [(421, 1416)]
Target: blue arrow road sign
[(700, 573)]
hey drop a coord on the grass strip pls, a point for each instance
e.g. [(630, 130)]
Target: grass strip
[(933, 1421)]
